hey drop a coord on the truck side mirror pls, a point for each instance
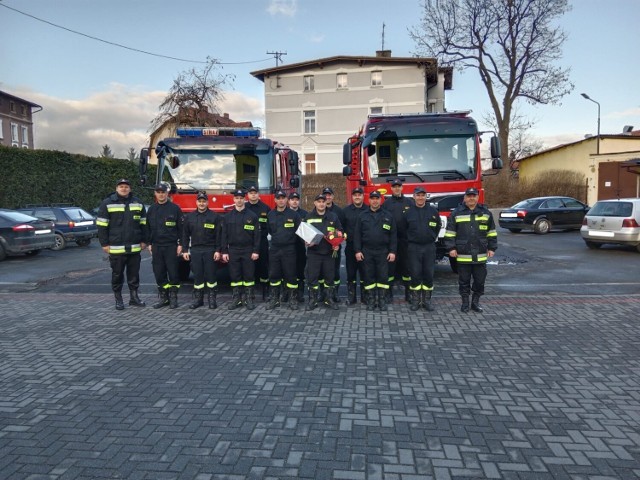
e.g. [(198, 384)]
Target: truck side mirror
[(294, 182), (346, 154), (143, 161), (495, 147), (346, 171), (294, 163), (175, 161), (496, 164)]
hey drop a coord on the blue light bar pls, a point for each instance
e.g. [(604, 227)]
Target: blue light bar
[(218, 132)]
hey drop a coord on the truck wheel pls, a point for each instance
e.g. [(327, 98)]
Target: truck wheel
[(453, 263), (60, 243)]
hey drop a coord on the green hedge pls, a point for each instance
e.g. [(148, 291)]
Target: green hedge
[(49, 176)]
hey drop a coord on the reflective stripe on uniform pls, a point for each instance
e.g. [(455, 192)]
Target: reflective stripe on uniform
[(115, 249), (115, 207), (102, 222), (463, 218)]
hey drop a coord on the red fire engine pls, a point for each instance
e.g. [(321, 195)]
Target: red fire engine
[(437, 151), (220, 160)]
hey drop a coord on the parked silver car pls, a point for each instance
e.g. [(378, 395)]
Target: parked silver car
[(613, 221)]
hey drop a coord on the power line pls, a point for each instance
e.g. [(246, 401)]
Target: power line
[(120, 45)]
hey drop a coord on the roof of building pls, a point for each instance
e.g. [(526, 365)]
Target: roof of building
[(362, 60), (20, 99), (188, 117), (635, 135)]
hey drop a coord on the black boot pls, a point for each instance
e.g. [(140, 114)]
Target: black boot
[(163, 298), (363, 295), (475, 303), (330, 301), (293, 301), (335, 291), (249, 298), (426, 300), (407, 292), (351, 294), (415, 300), (236, 298), (465, 304), (119, 301), (173, 298), (213, 302), (313, 299), (284, 295), (274, 297), (370, 294), (265, 292), (198, 299), (134, 299), (382, 299), (388, 294), (300, 292)]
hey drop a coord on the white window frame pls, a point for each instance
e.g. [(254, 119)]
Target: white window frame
[(310, 159), (1, 130), (376, 78), (342, 81), (15, 139), (309, 122), (379, 112), (308, 83), (25, 135)]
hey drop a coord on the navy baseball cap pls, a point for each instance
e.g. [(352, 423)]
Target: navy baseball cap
[(471, 191), (123, 180), (161, 187), (375, 194), (328, 190), (320, 197), (396, 181), (357, 190), (280, 193), (419, 190), (252, 188), (294, 195), (202, 195), (238, 193)]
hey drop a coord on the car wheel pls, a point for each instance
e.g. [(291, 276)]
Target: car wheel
[(453, 263), (31, 253), (84, 242), (3, 254), (60, 243), (593, 245), (542, 226), (515, 230)]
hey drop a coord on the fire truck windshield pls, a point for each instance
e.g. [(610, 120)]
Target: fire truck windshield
[(223, 169), (423, 158)]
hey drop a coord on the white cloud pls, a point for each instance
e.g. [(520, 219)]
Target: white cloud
[(283, 7), (317, 38), (120, 116)]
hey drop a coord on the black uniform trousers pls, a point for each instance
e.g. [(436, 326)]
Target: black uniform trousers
[(120, 263), (354, 268), (301, 261), (241, 268), (203, 267), (282, 266), (422, 260), (319, 266), (468, 270), (399, 270), (376, 268), (262, 264), (165, 265)]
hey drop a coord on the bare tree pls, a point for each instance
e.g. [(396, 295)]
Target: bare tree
[(194, 94), (513, 44)]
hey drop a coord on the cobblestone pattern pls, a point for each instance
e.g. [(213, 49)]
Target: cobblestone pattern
[(537, 388)]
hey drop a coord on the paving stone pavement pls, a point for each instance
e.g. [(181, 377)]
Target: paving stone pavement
[(538, 387)]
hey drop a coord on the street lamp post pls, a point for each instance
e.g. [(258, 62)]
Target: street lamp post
[(598, 136)]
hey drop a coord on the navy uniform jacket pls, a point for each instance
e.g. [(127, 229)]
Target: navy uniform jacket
[(240, 229), (472, 233)]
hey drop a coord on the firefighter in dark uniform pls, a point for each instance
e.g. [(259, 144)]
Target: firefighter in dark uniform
[(261, 210), (201, 243), (122, 234), (301, 249), (240, 247), (320, 262), (164, 220), (282, 225), (376, 244), (333, 208), (471, 238), (354, 268), (398, 204), (422, 223)]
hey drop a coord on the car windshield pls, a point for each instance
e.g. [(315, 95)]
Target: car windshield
[(223, 169), (612, 209), (421, 158), (528, 203), (76, 214), (18, 217)]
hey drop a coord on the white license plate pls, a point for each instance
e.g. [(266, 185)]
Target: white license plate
[(40, 232), (595, 233), (82, 224), (508, 215)]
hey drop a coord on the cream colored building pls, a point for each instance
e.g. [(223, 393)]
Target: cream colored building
[(606, 178), (315, 106)]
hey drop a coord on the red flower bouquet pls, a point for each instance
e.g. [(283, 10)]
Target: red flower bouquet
[(335, 238)]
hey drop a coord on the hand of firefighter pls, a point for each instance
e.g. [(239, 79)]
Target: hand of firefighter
[(225, 257), (453, 253), (490, 253), (179, 250), (105, 249), (217, 256), (186, 256), (359, 256), (391, 257), (143, 246), (255, 256)]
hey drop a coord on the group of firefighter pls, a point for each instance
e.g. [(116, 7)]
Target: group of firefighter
[(386, 243)]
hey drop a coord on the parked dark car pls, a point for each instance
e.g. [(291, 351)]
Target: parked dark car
[(20, 233), (72, 224), (542, 214)]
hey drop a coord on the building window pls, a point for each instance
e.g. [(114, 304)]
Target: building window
[(309, 163), (14, 134), (308, 83), (341, 80), (376, 79), (1, 130), (23, 110), (309, 121), (12, 107), (375, 111), (25, 136)]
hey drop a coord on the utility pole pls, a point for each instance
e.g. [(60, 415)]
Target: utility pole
[(278, 56)]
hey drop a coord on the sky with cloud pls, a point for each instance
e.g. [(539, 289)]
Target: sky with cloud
[(83, 60)]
